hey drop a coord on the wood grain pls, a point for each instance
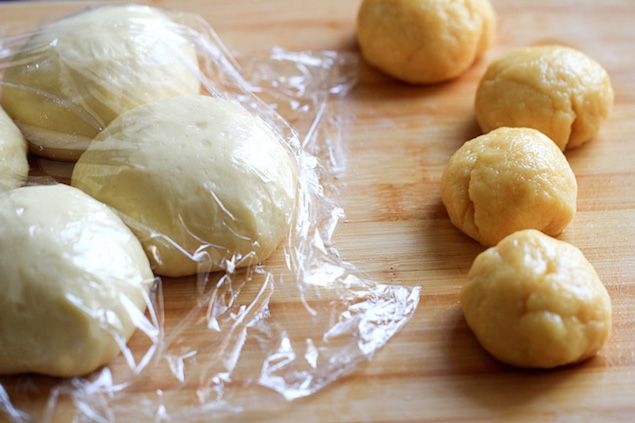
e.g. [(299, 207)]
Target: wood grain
[(400, 138)]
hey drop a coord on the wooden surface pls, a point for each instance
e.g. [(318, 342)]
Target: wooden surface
[(397, 230)]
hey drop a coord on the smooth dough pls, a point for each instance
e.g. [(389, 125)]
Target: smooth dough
[(534, 301), (558, 90), (14, 166), (72, 277), (76, 75), (508, 180), (424, 41), (203, 183)]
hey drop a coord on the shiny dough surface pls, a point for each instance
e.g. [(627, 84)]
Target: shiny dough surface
[(14, 166), (203, 183), (72, 277), (76, 75)]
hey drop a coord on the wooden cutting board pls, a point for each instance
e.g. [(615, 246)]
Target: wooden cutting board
[(397, 230)]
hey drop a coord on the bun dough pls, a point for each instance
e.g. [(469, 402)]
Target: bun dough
[(424, 41), (204, 184), (508, 180), (71, 275), (558, 90), (76, 75), (14, 166), (533, 301)]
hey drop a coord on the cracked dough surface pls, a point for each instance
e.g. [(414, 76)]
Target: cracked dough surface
[(204, 184), (14, 166), (508, 180), (424, 41), (558, 90), (76, 75), (534, 301), (71, 274)]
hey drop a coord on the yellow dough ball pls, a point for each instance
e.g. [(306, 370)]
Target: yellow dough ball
[(508, 180), (534, 301), (424, 41), (558, 90), (76, 75)]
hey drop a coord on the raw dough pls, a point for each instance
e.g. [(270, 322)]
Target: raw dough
[(508, 180), (76, 75), (424, 41), (533, 301), (558, 90), (203, 183), (14, 166), (71, 275)]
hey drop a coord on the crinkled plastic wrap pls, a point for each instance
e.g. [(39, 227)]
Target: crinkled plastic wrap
[(244, 339)]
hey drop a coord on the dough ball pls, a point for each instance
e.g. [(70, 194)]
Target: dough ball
[(72, 277), (424, 41), (508, 180), (558, 90), (76, 75), (533, 301), (203, 183), (14, 166)]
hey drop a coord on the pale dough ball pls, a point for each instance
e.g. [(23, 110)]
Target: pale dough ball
[(508, 180), (76, 75), (14, 166), (557, 90), (203, 183), (424, 41), (72, 277), (534, 301)]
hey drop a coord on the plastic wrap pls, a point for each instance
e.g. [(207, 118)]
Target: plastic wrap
[(244, 339)]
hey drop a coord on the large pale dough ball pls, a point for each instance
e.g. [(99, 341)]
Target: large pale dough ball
[(558, 90), (14, 166), (203, 183), (508, 180), (424, 41), (533, 301), (72, 277), (76, 75)]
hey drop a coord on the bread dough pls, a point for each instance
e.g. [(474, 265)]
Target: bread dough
[(533, 301), (72, 275), (508, 180), (14, 166), (203, 183), (558, 90), (424, 41), (76, 75)]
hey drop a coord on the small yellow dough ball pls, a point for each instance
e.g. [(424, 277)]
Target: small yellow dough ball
[(508, 180), (534, 301), (424, 41), (558, 90)]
